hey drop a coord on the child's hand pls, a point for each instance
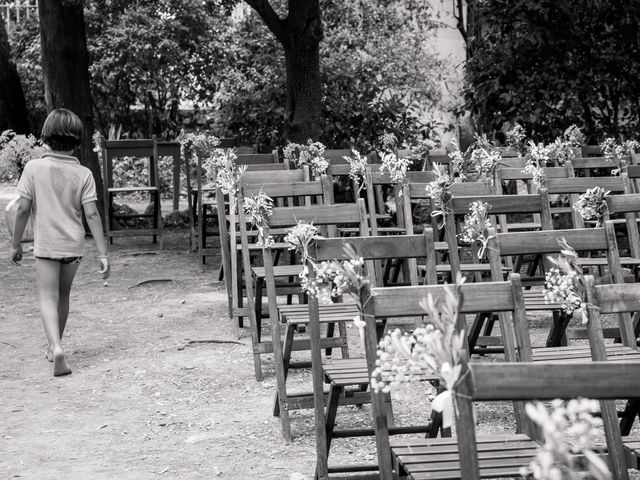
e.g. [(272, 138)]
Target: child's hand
[(16, 255), (105, 267)]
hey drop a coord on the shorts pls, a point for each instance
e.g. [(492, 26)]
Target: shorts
[(63, 260)]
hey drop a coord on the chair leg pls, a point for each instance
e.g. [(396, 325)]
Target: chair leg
[(286, 360), (342, 330), (631, 410), (476, 328), (330, 422), (330, 332)]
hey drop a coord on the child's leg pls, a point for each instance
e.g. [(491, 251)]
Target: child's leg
[(67, 274), (48, 272)]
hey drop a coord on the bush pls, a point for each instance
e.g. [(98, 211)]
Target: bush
[(15, 152), (549, 64)]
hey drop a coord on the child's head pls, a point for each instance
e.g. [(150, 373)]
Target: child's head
[(62, 130)]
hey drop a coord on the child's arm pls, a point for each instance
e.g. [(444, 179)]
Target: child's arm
[(22, 215), (95, 225)]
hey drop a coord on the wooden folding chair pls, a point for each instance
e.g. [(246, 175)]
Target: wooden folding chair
[(381, 304), (501, 205), (255, 277), (503, 455), (230, 248), (515, 173), (116, 150), (546, 243), (574, 186), (325, 217)]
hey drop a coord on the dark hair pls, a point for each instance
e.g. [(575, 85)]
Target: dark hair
[(62, 130)]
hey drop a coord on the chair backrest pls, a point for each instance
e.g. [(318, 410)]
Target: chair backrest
[(144, 148), (375, 181), (589, 163), (584, 240), (508, 152), (574, 186), (580, 185), (320, 189), (257, 158), (260, 177), (397, 302), (382, 248), (591, 150), (439, 156), (517, 173), (604, 381), (414, 191), (501, 205), (335, 156)]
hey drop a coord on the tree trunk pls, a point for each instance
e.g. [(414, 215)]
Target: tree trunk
[(300, 35), (13, 107), (65, 64), (302, 53)]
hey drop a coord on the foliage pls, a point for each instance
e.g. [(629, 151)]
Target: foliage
[(591, 205), (15, 151), (475, 228), (358, 167), (25, 49), (150, 55), (258, 209), (311, 154), (331, 279), (570, 434), (616, 151), (548, 64), (221, 172), (377, 70), (395, 166), (149, 58), (300, 237), (440, 192), (564, 283)]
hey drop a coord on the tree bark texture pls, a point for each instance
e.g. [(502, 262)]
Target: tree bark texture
[(13, 107), (65, 64), (300, 35)]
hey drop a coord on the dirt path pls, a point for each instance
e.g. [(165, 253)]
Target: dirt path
[(139, 405)]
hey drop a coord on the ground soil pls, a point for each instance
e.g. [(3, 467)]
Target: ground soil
[(143, 402)]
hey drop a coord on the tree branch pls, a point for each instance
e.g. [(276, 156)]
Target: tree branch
[(270, 17)]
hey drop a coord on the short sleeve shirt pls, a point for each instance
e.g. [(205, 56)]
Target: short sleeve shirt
[(58, 186)]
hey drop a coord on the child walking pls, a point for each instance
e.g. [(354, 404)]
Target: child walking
[(56, 188)]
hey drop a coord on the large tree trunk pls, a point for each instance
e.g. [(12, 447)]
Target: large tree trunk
[(65, 64), (300, 35), (13, 108), (302, 54)]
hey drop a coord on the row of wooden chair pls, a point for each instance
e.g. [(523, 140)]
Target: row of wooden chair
[(296, 316), (390, 302)]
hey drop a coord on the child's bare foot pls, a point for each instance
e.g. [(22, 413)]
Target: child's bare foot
[(49, 355), (60, 365)]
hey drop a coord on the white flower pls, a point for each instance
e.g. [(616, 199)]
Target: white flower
[(259, 208), (475, 228), (311, 154), (591, 205), (358, 164), (397, 167), (570, 433)]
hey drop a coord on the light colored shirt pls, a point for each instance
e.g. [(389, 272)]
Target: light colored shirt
[(58, 186)]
